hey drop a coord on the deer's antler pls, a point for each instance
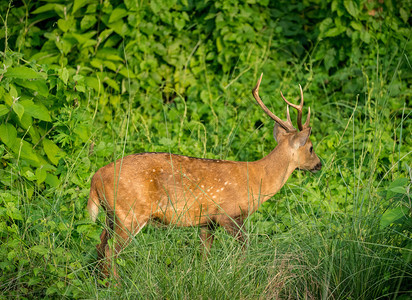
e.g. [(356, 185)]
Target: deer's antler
[(288, 125)]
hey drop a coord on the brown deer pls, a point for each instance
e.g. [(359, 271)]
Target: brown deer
[(188, 191)]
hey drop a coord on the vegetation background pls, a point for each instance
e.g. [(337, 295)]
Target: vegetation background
[(85, 82)]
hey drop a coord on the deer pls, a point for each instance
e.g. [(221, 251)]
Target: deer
[(187, 191)]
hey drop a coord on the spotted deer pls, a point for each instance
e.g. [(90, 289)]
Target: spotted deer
[(188, 191)]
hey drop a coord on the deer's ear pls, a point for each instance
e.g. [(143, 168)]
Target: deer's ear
[(301, 137), (279, 133)]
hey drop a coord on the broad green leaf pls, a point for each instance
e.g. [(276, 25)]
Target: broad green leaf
[(119, 27), (155, 6), (356, 25), (351, 7), (18, 109), (36, 110), (334, 5), (398, 189), (49, 58), (66, 24), (110, 65), (13, 94), (109, 54), (3, 110), (38, 86), (22, 73), (404, 15), (40, 249), (204, 96), (41, 174), (79, 4), (80, 88), (365, 36), (94, 83), (112, 83), (398, 186), (65, 45), (25, 150), (78, 78), (105, 34), (399, 182), (127, 73), (83, 132), (117, 13), (97, 63), (393, 215), (87, 22), (13, 212), (52, 180), (29, 175), (44, 8), (84, 228), (334, 31), (33, 130), (179, 23), (85, 38), (26, 121), (325, 24), (64, 75), (52, 151), (8, 135)]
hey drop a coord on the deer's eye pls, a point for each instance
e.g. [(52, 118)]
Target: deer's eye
[(311, 149)]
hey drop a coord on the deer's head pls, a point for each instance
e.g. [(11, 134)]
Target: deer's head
[(296, 143)]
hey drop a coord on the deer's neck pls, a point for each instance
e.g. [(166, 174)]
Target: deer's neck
[(273, 171)]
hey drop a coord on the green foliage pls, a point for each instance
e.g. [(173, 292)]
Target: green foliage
[(85, 82)]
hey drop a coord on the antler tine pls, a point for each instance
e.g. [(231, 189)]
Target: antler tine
[(299, 109), (286, 125), (288, 115), (306, 125)]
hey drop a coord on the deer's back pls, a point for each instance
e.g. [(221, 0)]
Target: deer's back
[(172, 188)]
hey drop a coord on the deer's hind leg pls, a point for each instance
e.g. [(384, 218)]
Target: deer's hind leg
[(104, 237), (207, 237), (101, 248), (234, 227), (124, 229)]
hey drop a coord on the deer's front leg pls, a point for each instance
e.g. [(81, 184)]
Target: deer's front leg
[(207, 237), (234, 227)]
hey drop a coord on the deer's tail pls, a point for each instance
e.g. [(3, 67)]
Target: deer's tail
[(94, 202)]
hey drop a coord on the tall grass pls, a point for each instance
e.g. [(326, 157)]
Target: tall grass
[(331, 246), (337, 255)]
